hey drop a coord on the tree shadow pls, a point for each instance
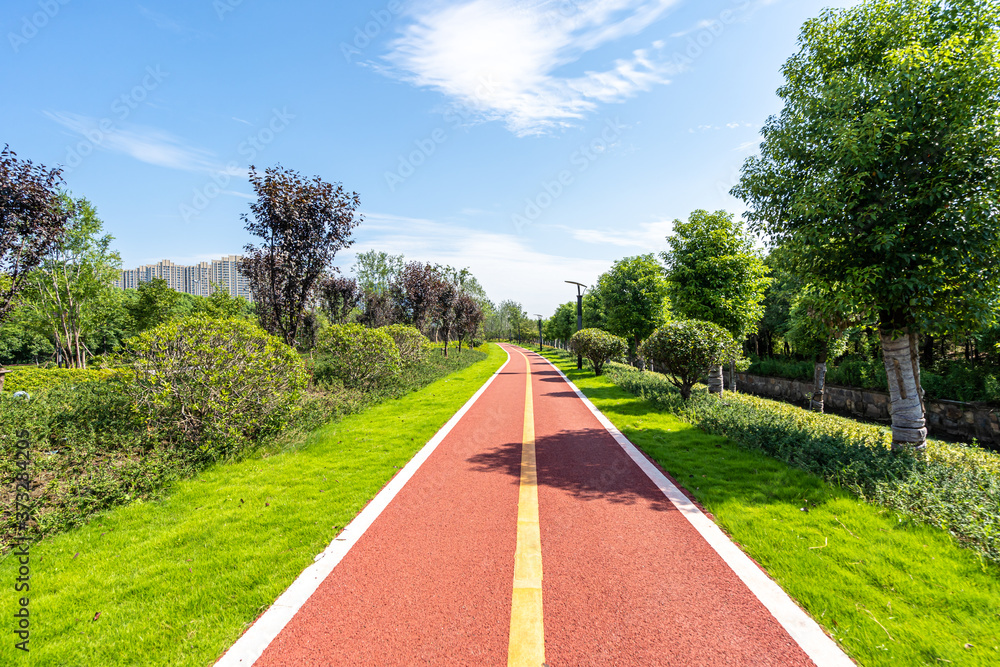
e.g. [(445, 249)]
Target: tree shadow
[(586, 463)]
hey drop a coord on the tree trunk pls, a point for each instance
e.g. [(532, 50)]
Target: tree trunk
[(715, 382), (732, 375), (819, 383), (902, 367)]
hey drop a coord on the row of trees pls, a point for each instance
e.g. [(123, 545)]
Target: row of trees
[(880, 178), (438, 300), (877, 189), (57, 268), (302, 224), (711, 272)]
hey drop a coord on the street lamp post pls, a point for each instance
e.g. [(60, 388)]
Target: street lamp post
[(540, 340), (580, 289)]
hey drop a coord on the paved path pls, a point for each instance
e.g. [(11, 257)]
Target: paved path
[(531, 535)]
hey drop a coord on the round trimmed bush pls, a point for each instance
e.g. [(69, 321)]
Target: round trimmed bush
[(412, 344), (359, 357), (599, 346), (214, 384), (686, 349)]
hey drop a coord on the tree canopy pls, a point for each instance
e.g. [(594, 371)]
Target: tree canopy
[(882, 172), (882, 169), (302, 223), (32, 221), (714, 272), (633, 292)]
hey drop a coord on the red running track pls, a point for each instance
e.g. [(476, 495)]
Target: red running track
[(626, 579)]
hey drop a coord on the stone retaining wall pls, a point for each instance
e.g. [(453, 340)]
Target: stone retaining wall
[(952, 418)]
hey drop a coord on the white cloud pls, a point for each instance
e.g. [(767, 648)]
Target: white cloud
[(650, 236), (504, 264), (146, 144), (498, 59)]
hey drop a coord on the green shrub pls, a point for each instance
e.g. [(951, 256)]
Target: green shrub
[(954, 487), (686, 349), (784, 368), (412, 344), (36, 380), (959, 381), (948, 380), (88, 453), (357, 356), (598, 346), (861, 373), (213, 385)]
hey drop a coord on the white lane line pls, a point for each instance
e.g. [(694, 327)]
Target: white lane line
[(255, 641), (820, 648)]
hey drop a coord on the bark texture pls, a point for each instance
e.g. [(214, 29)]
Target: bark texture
[(732, 375), (819, 386), (716, 385), (902, 367)]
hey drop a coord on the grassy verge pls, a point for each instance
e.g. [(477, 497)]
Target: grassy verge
[(891, 591), (176, 581)]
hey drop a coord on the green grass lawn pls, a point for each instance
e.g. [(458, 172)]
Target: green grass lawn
[(176, 581), (889, 590)]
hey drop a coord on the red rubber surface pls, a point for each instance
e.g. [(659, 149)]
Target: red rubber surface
[(627, 580)]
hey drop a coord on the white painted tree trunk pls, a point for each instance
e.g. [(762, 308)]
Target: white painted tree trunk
[(819, 386), (902, 367), (715, 381)]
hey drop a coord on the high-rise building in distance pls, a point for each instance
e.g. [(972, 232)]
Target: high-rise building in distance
[(201, 279)]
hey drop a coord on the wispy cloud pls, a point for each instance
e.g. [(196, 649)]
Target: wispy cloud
[(164, 22), (146, 144), (501, 59), (727, 126), (649, 236)]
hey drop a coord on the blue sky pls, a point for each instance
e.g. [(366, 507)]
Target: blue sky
[(533, 141)]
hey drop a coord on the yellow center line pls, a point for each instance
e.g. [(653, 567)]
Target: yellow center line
[(527, 631)]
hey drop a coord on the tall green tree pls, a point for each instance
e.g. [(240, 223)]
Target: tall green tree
[(716, 275), (562, 325), (633, 292), (883, 172), (71, 281), (784, 287), (594, 315), (155, 303), (818, 326), (375, 271)]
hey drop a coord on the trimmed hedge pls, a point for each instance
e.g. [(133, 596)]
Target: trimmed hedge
[(89, 453), (37, 380), (412, 344), (598, 346), (954, 487), (215, 386), (687, 349), (357, 356)]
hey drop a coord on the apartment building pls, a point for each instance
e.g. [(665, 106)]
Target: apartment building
[(201, 279)]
